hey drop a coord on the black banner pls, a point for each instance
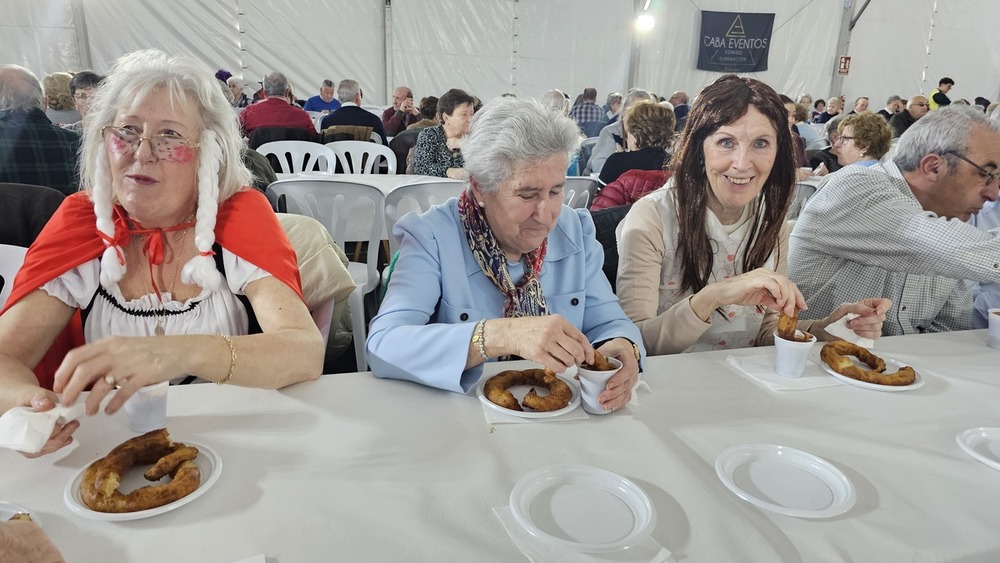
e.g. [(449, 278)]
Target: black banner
[(734, 42)]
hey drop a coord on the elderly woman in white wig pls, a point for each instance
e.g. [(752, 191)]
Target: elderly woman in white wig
[(165, 268), (505, 269)]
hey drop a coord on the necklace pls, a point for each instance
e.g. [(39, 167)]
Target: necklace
[(159, 313)]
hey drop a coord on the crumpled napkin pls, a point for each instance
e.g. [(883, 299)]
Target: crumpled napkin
[(760, 367), (538, 552), (25, 430), (840, 330)]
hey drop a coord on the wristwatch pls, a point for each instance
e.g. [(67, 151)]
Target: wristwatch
[(635, 350)]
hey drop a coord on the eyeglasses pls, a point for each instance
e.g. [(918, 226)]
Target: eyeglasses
[(923, 105), (163, 146), (989, 176), (846, 138), (82, 96)]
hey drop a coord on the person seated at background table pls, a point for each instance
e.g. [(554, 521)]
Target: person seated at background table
[(889, 229), (863, 139), (612, 137), (161, 155), (701, 259), (324, 102), (82, 89), (802, 170), (834, 106), (916, 107), (402, 113), (275, 110), (555, 100), (649, 130), (439, 149), (818, 108), (351, 113), (503, 270), (61, 109), (428, 114), (827, 158)]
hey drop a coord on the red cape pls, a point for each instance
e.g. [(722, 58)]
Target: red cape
[(245, 225)]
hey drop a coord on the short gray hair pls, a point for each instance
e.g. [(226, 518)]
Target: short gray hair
[(636, 95), (510, 132), (19, 89), (276, 85), (327, 84), (347, 90), (940, 132), (555, 100)]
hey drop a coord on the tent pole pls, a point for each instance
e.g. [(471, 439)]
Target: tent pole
[(82, 42), (843, 46), (387, 49), (633, 55)]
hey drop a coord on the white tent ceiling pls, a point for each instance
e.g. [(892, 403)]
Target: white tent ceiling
[(522, 46)]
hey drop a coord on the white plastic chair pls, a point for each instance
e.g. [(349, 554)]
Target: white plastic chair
[(359, 157), (579, 191), (317, 118), (417, 197), (299, 156), (11, 258), (336, 204)]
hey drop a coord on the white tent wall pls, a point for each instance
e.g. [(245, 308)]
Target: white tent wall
[(523, 46), (802, 46)]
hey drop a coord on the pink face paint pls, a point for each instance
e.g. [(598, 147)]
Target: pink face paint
[(118, 147), (180, 154)]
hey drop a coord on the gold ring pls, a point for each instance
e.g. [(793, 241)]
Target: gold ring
[(110, 380)]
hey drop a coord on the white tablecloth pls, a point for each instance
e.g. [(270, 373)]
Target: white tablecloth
[(353, 468), (384, 182)]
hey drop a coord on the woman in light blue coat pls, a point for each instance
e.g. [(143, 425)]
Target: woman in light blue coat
[(505, 270)]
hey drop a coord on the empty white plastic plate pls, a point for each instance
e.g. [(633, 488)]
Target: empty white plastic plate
[(785, 480), (982, 443), (581, 508)]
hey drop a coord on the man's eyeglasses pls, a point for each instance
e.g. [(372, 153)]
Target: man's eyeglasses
[(989, 176), (922, 105), (82, 96), (163, 146)]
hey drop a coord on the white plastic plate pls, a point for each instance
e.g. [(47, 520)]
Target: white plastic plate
[(982, 443), (519, 391), (891, 365)]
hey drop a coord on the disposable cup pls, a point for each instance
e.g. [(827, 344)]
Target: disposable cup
[(994, 316), (593, 383), (147, 408), (790, 356)]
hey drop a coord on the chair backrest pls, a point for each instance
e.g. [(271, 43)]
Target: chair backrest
[(299, 156), (262, 135), (579, 191), (317, 118), (11, 258), (24, 210), (358, 157), (416, 197), (350, 211), (606, 223), (592, 128), (400, 146)]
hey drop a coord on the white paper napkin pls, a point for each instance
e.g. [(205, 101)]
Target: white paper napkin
[(761, 368), (538, 552), (840, 330), (25, 430)]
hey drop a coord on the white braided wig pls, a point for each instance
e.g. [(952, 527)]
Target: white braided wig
[(221, 172)]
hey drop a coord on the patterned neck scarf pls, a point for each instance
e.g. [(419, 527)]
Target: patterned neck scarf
[(522, 300)]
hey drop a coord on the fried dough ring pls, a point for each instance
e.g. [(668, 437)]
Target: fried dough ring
[(99, 485), (601, 363), (835, 354), (558, 397)]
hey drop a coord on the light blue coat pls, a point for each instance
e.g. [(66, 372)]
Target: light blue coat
[(437, 293)]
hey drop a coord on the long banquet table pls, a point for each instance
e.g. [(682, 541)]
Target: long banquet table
[(353, 468)]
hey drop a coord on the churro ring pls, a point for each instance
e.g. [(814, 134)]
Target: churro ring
[(601, 363), (835, 354), (788, 327), (99, 485), (559, 395)]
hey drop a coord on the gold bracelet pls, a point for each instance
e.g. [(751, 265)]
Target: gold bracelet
[(479, 337), (232, 360)]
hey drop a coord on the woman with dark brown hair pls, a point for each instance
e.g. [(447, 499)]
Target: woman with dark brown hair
[(703, 261)]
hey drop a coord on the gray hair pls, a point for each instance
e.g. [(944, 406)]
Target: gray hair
[(940, 132), (995, 114), (636, 95), (893, 98), (613, 98), (347, 90), (510, 132), (275, 85), (19, 89), (327, 83), (233, 80), (221, 172), (555, 100)]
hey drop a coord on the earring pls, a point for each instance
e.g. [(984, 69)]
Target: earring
[(482, 204)]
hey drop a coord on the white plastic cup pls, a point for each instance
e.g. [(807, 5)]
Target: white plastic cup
[(593, 383), (147, 408), (994, 335), (790, 356)]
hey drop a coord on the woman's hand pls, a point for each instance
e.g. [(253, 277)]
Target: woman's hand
[(457, 174), (757, 287), (618, 391), (820, 170), (803, 173), (550, 340), (62, 435), (868, 323), (126, 362), (454, 143)]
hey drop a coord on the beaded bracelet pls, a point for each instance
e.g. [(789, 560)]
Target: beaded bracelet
[(479, 337)]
